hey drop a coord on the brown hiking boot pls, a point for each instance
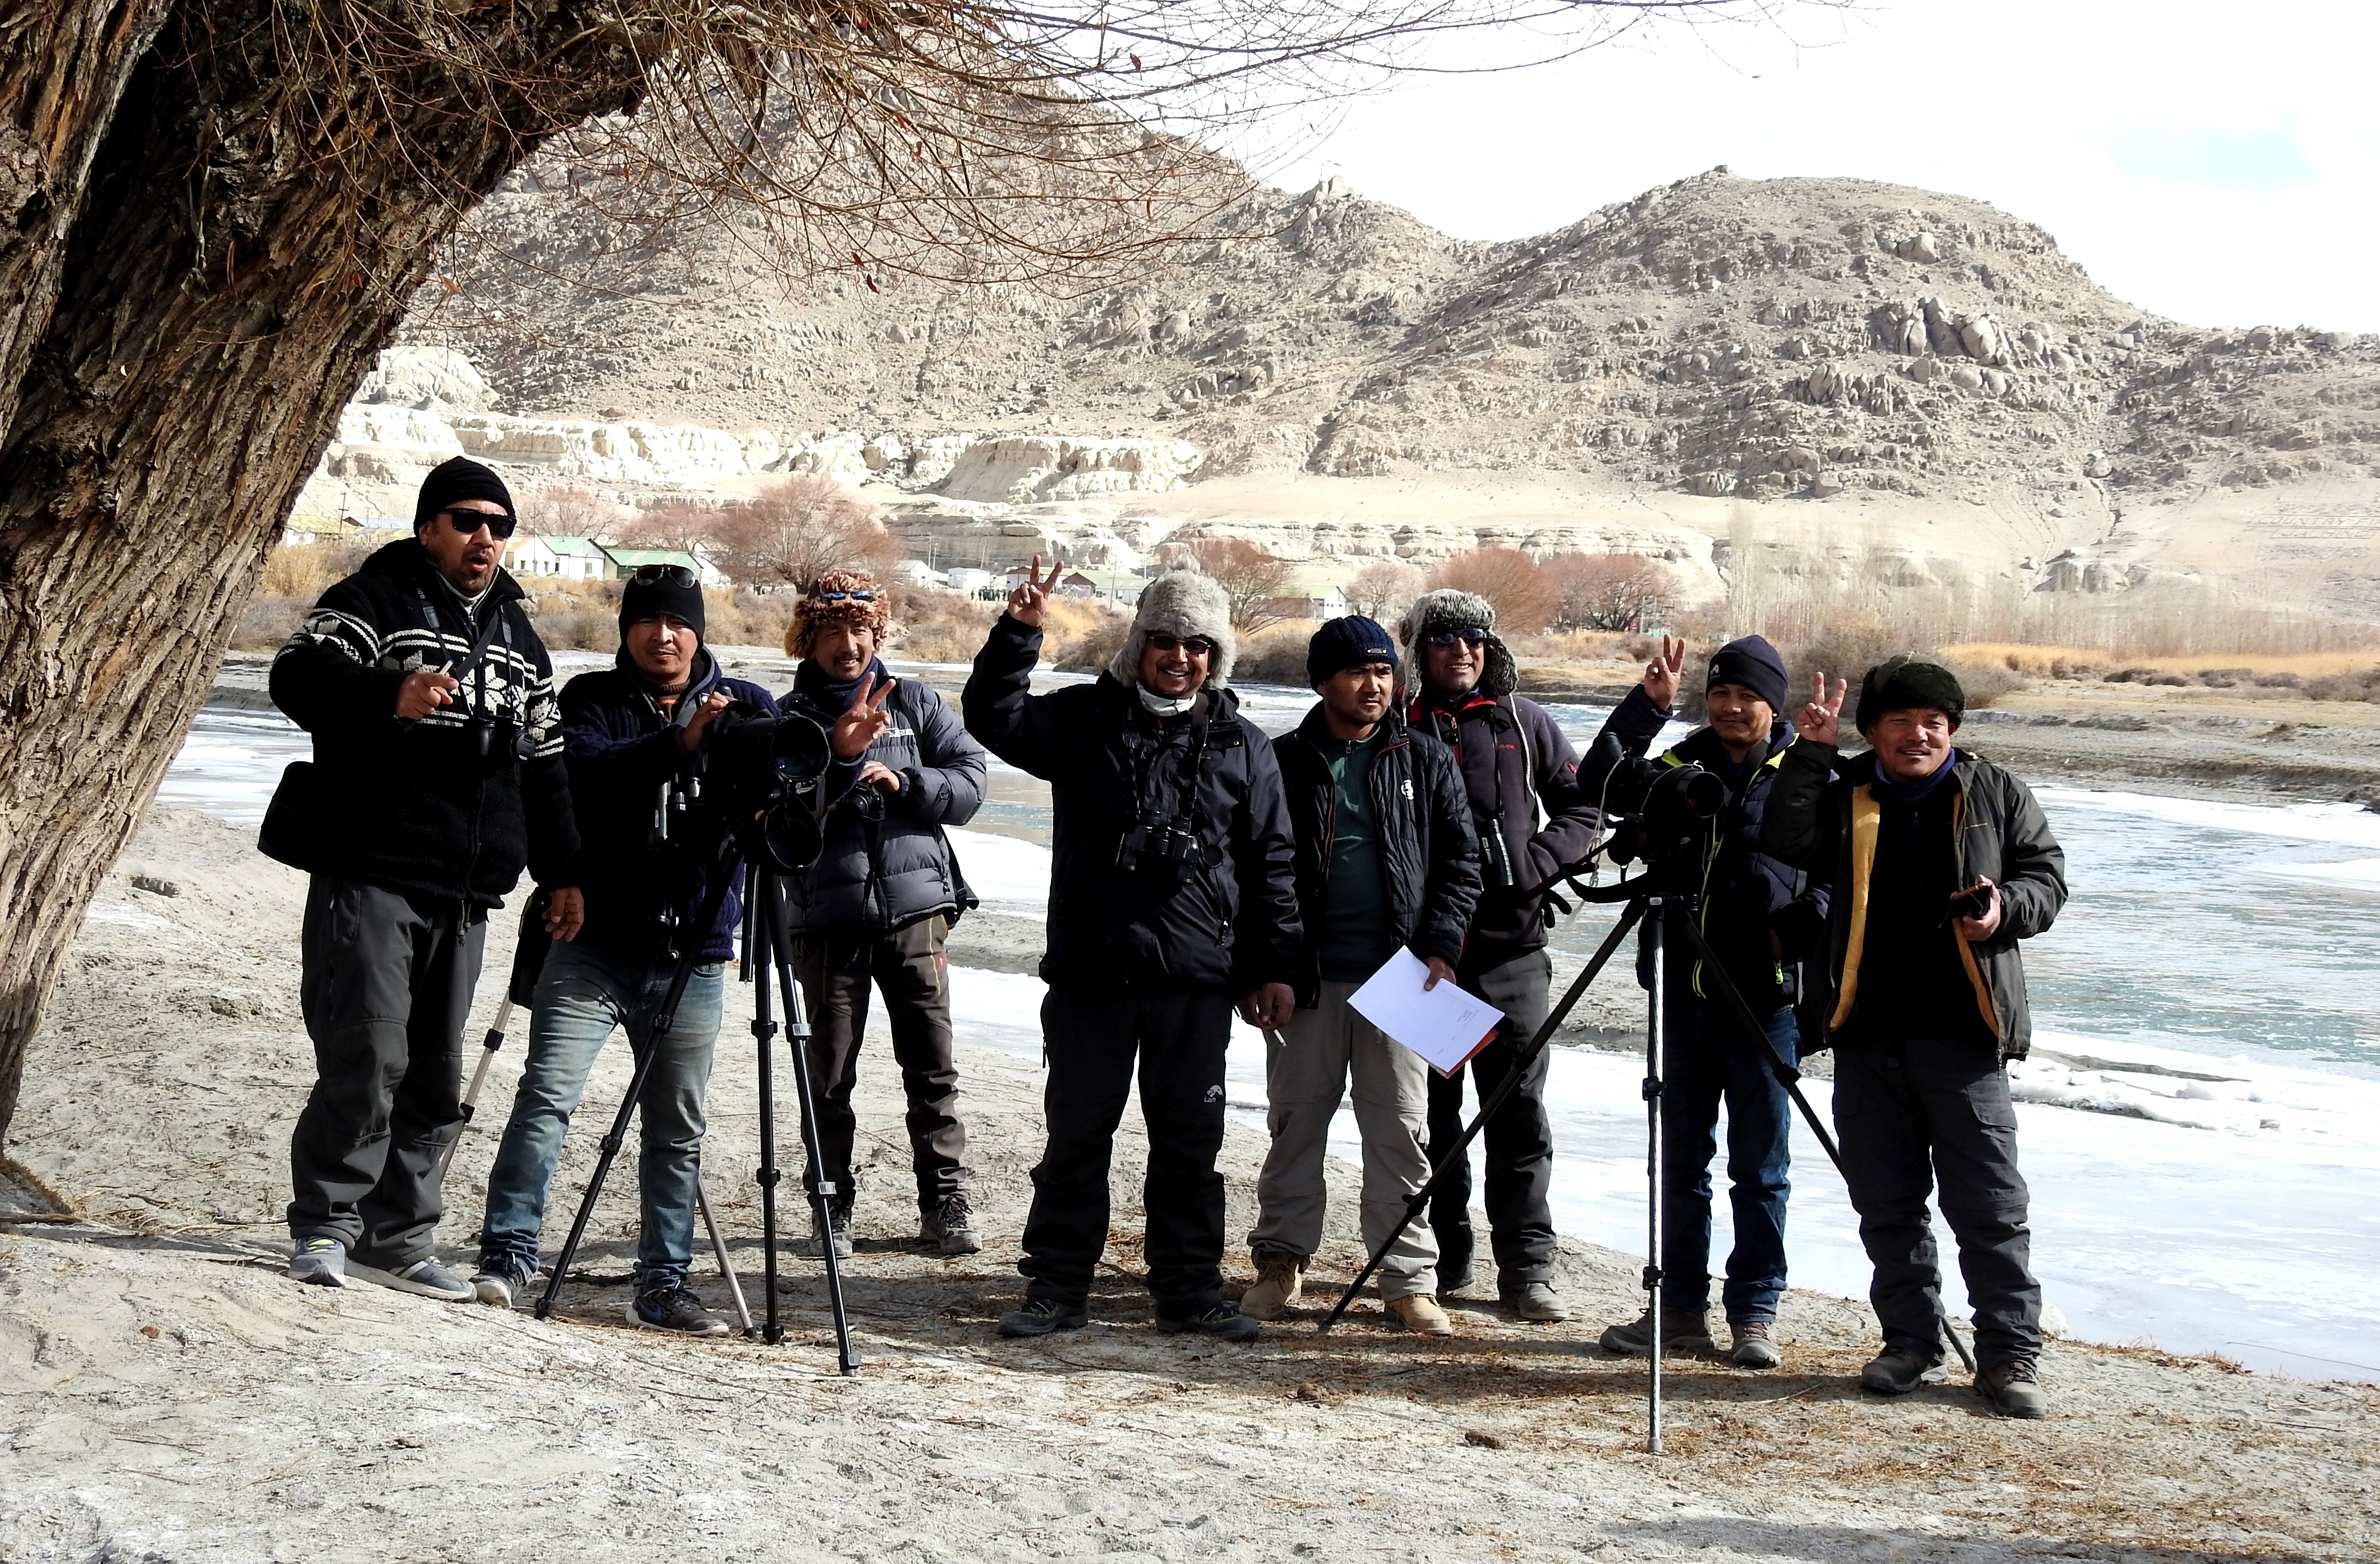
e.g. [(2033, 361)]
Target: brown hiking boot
[(1755, 1345), (1420, 1313), (1279, 1278)]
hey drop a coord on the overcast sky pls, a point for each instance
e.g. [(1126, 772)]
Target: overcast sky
[(2217, 164)]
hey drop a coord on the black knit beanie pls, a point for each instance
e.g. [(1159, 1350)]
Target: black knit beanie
[(458, 477), (650, 599), (1753, 664), (1910, 680), (1348, 643)]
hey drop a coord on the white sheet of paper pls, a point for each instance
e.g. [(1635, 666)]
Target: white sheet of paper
[(1443, 1025)]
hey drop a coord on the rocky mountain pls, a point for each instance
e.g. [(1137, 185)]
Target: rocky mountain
[(1831, 371)]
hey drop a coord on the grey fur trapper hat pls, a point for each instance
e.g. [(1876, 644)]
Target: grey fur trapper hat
[(1447, 609), (1182, 603)]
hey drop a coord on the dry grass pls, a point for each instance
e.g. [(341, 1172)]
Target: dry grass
[(2060, 662)]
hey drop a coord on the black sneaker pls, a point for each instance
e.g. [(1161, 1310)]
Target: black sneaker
[(502, 1279), (1039, 1316), (948, 1228), (1896, 1371), (814, 1246), (1222, 1322), (675, 1308), (2012, 1390)]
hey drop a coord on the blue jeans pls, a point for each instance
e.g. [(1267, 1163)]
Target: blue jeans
[(1710, 1060), (582, 996)]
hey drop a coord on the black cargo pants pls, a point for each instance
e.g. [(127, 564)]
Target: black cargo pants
[(1519, 1141), (386, 989), (906, 968), (1092, 1042), (1912, 1111)]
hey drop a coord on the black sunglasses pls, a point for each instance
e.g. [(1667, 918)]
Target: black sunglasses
[(662, 575), (863, 595), (1196, 646), (499, 524), (1470, 637)]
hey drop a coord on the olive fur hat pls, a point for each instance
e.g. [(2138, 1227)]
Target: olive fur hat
[(1447, 609)]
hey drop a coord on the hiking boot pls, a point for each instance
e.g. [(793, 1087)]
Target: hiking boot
[(1420, 1312), (504, 1279), (321, 1261), (2012, 1390), (675, 1308), (948, 1229), (1280, 1277), (1039, 1316), (424, 1278), (1896, 1371), (1682, 1331), (1535, 1301), (814, 1246), (1755, 1345), (1222, 1322)]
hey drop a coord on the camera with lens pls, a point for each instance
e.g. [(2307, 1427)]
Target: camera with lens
[(1176, 844), (768, 781), (1659, 811)]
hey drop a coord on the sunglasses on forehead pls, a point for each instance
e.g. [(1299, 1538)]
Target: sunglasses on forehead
[(1469, 637), (662, 575), (859, 594), (1196, 646), (499, 522)]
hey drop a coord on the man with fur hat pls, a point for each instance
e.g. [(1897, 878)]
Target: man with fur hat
[(1937, 862), (1171, 894), (1763, 921), (1533, 818), (876, 906), (437, 776), (1385, 859), (635, 734)]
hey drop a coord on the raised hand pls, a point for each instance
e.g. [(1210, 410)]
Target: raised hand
[(1661, 674), (863, 722), (691, 735), (1026, 601), (1822, 720)]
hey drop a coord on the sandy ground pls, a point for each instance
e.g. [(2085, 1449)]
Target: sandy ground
[(166, 1395)]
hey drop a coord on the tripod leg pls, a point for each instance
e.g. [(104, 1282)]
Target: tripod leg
[(488, 1046), (611, 1144), (764, 1033), (726, 1266), (1655, 959), (797, 1033), (1418, 1201)]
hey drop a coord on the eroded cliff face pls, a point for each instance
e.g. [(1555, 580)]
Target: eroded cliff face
[(1829, 368)]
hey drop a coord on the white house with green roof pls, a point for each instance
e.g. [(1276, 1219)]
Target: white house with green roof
[(566, 559)]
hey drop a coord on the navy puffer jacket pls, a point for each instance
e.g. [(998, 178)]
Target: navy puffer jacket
[(887, 864)]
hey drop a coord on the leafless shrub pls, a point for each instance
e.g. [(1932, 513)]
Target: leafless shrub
[(1608, 591), (678, 524), (1512, 583), (577, 513), (789, 534), (1383, 590), (2363, 685), (1249, 576)]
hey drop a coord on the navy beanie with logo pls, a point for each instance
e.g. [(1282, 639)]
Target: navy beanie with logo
[(1751, 662), (458, 477), (1348, 643)]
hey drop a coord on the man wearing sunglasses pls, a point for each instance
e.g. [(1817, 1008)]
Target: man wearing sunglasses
[(875, 910), (1171, 894), (437, 776), (1533, 818)]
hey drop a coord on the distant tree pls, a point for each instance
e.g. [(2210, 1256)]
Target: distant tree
[(1524, 599), (790, 535), (1607, 591), (570, 512), (1249, 576), (1383, 590), (676, 525)]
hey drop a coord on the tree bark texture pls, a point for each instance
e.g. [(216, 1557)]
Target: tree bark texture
[(209, 247)]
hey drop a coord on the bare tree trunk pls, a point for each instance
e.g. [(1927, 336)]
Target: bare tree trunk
[(222, 294)]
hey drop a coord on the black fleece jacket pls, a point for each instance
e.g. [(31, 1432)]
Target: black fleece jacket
[(1223, 922), (1430, 857), (1515, 764), (415, 806)]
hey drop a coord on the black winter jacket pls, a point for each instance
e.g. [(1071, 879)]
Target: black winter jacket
[(1225, 923), (621, 751), (1516, 766), (887, 864), (415, 805), (1429, 859), (1747, 894), (1827, 823)]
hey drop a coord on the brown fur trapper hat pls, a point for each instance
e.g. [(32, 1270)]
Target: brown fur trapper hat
[(817, 609), (1182, 604), (1447, 609)]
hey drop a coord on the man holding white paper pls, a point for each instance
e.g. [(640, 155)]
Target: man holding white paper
[(1386, 862)]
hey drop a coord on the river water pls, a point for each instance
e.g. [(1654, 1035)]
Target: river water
[(2200, 1123)]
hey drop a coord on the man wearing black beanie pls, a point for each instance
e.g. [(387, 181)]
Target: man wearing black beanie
[(437, 777), (1938, 863), (1762, 922)]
